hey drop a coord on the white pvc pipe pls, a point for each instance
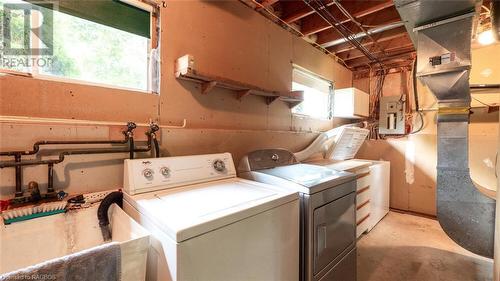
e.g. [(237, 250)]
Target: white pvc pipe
[(138, 4), (40, 120)]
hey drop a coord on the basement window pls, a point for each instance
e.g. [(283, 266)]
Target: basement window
[(318, 94), (106, 42)]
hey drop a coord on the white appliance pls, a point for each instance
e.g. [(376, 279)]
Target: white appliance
[(207, 224), (339, 146), (328, 211)]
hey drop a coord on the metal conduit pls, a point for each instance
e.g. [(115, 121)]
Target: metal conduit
[(363, 34), (321, 9)]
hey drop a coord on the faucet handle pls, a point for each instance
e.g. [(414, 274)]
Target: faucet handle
[(130, 128), (153, 127)]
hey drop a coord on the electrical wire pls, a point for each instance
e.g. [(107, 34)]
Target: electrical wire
[(319, 7), (421, 123), (483, 103)]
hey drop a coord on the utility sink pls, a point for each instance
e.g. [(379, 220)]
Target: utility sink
[(30, 242)]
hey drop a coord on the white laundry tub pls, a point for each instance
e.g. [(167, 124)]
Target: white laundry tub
[(30, 242)]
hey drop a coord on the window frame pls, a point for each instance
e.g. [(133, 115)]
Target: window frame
[(331, 92), (154, 43)]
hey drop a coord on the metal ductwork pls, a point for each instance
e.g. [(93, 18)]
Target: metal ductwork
[(441, 31), (495, 19)]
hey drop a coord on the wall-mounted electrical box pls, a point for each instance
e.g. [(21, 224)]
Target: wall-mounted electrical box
[(351, 103), (392, 118)]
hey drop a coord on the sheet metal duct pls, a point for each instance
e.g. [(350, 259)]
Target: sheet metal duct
[(441, 31), (495, 19)]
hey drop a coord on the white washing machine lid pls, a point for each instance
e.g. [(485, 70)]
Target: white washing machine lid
[(344, 165), (189, 211)]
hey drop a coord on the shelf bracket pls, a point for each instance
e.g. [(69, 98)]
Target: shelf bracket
[(293, 104), (206, 87), (243, 93), (270, 100)]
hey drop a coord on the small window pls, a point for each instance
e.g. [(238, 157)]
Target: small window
[(318, 99), (99, 42)]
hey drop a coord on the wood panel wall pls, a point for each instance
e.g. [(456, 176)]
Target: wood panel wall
[(226, 38)]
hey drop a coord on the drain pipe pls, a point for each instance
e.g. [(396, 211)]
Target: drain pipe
[(442, 36)]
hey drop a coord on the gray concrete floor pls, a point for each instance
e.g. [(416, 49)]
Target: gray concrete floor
[(407, 247)]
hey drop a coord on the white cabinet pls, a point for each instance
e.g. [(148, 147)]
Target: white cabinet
[(351, 103), (380, 172), (372, 189)]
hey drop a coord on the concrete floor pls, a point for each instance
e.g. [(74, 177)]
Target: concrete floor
[(406, 247)]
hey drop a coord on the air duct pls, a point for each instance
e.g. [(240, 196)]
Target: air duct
[(441, 31), (495, 19)]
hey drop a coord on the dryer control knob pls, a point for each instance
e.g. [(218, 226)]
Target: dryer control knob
[(147, 173), (219, 165), (165, 171), (275, 157)]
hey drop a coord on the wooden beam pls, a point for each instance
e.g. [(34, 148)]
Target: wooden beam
[(296, 10), (267, 3), (207, 87), (364, 70), (241, 94), (386, 46), (314, 23), (270, 99), (375, 6), (379, 37), (398, 55), (381, 18), (408, 47)]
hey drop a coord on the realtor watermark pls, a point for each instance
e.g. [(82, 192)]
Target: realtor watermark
[(17, 61), (27, 34), (36, 277)]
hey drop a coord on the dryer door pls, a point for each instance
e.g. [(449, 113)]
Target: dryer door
[(335, 230)]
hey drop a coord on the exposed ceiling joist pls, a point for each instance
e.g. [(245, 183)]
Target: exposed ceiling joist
[(377, 19), (314, 23), (388, 46), (361, 33), (395, 56), (267, 3), (379, 37), (296, 10)]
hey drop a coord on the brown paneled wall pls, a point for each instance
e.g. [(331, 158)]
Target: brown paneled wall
[(226, 38)]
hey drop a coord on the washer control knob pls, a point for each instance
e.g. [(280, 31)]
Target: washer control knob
[(219, 165), (275, 157), (165, 171), (147, 173)]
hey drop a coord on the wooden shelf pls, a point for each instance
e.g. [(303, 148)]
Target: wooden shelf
[(241, 89)]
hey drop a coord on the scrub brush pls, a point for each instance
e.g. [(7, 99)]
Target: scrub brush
[(33, 211)]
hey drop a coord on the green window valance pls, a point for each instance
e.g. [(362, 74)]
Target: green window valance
[(111, 13)]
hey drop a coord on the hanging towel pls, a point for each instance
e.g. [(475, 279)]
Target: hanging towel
[(101, 263)]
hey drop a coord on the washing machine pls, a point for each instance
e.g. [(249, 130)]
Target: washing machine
[(208, 224), (328, 211)]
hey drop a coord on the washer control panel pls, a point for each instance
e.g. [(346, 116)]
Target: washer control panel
[(150, 174)]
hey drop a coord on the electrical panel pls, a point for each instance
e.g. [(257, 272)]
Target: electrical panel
[(392, 118)]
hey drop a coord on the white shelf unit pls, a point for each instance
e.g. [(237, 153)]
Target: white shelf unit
[(351, 103)]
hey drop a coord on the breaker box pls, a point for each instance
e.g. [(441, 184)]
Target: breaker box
[(392, 117)]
